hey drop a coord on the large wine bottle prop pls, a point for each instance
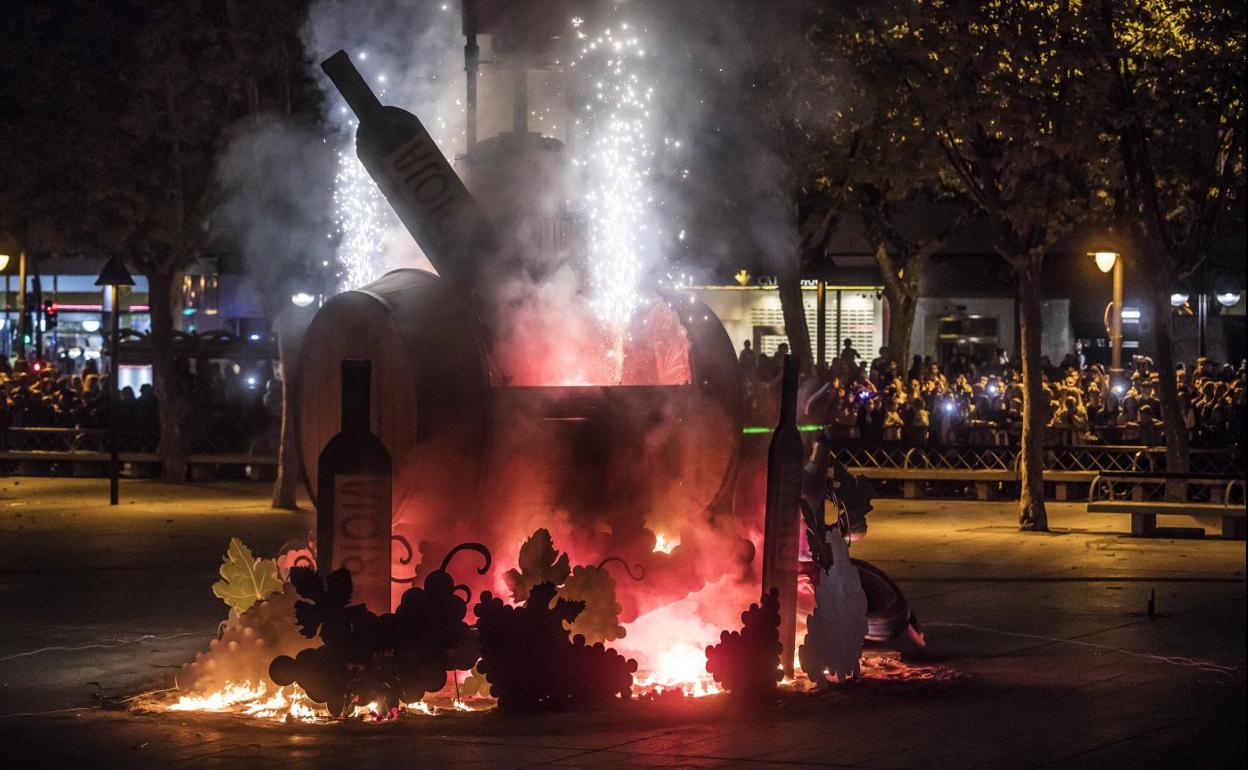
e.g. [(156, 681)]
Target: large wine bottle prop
[(780, 528), (412, 173), (353, 501)]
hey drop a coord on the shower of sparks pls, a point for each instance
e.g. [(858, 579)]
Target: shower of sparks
[(364, 224), (358, 210), (618, 158)]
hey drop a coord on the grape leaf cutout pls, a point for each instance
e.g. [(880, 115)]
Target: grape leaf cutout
[(854, 492), (835, 630), (245, 579), (539, 563)]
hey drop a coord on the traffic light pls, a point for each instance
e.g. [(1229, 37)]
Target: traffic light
[(49, 315)]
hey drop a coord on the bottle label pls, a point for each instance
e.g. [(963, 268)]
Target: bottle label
[(435, 194), (362, 536)]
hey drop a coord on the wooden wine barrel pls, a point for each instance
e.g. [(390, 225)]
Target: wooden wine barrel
[(430, 391), (491, 464)]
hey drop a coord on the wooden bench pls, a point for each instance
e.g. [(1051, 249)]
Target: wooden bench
[(89, 463), (88, 456), (1063, 480), (83, 463), (912, 479), (205, 466), (1228, 505)]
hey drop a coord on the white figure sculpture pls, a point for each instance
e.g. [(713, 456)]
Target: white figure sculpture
[(835, 630)]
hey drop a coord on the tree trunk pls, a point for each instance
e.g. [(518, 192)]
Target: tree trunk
[(902, 307), (901, 289), (1031, 513), (1177, 440), (795, 327), (289, 328), (169, 397)]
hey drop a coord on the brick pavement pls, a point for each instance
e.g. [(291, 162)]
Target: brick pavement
[(1059, 663)]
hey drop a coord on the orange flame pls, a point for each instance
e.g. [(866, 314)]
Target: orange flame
[(665, 544), (283, 704)]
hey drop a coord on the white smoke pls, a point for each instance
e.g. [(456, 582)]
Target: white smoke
[(410, 54), (274, 179)]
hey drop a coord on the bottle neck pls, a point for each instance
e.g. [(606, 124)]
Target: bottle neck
[(352, 86), (356, 396), (788, 392)]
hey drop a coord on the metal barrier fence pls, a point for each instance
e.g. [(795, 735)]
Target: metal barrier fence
[(1094, 459), (1067, 469)]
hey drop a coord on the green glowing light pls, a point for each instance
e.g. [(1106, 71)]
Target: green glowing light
[(764, 429)]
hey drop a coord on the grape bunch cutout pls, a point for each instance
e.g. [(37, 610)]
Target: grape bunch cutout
[(747, 662), (380, 659), (531, 664), (246, 644)]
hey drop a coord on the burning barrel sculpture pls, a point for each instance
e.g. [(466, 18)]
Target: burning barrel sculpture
[(475, 458), (471, 456)]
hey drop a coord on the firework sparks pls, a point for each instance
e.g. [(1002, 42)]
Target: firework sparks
[(365, 227), (358, 209), (617, 162)]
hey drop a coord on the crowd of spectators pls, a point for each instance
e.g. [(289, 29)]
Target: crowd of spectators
[(224, 405), (40, 396), (974, 402)]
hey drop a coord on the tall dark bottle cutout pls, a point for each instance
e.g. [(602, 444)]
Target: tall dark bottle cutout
[(782, 522), (353, 511), (416, 179)]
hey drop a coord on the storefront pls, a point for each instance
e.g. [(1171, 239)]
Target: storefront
[(66, 315), (751, 310), (67, 312)]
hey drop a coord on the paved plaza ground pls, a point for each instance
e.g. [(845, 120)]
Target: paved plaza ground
[(1058, 662)]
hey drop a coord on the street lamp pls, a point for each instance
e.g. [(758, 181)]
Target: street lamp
[(4, 264), (1210, 284), (114, 276), (1107, 261), (22, 320)]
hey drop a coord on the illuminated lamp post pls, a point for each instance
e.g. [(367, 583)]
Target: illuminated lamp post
[(1222, 287), (1229, 298), (4, 265), (21, 306), (1107, 261), (114, 276), (1202, 292)]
